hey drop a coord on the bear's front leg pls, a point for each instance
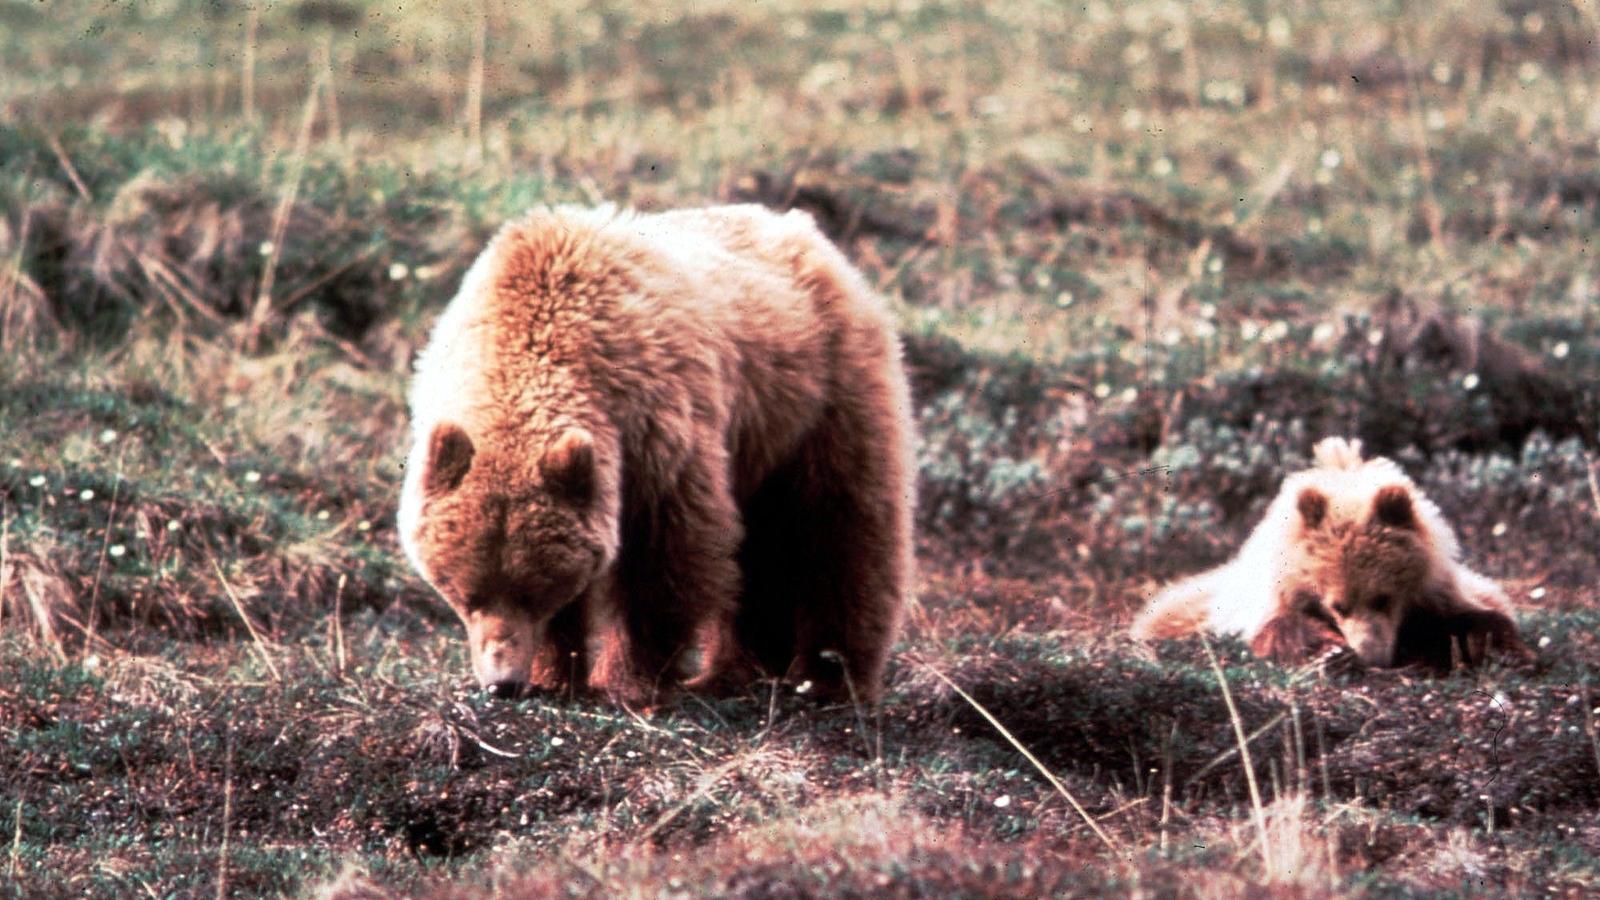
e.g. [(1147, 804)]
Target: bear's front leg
[(1296, 638), (677, 575), (1443, 639), (562, 665), (1301, 633)]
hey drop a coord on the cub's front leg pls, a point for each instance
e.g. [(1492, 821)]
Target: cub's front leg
[(1302, 633)]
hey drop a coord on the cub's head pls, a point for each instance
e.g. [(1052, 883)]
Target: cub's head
[(1366, 571), (508, 538)]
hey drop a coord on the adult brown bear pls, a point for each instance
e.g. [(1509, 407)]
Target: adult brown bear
[(651, 449)]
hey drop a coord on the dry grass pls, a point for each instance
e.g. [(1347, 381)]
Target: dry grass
[(34, 599)]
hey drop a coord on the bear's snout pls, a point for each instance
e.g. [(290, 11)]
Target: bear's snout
[(506, 690), (504, 641), (1373, 641)]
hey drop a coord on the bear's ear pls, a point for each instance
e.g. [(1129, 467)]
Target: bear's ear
[(450, 454), (1313, 506), (1393, 507), (568, 463)]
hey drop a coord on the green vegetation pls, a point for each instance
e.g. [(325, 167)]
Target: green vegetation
[(1145, 256)]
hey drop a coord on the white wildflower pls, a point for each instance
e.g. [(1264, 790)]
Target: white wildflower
[(1278, 31)]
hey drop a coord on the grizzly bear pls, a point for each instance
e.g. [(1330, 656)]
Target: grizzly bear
[(1350, 555), (652, 449)]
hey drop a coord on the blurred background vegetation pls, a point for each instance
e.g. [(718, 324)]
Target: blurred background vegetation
[(1145, 254)]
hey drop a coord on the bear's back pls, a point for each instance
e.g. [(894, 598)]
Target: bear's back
[(732, 317)]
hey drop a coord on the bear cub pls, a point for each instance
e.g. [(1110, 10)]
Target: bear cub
[(1350, 555)]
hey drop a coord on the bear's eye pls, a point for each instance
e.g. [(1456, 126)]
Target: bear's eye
[(1381, 603)]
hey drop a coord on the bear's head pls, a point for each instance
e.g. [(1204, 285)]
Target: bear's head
[(508, 538), (1367, 571)]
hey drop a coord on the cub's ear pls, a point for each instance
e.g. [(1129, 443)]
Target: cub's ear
[(1313, 506), (568, 463), (1393, 507), (450, 454)]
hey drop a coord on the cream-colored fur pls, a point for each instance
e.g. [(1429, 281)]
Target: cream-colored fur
[(1242, 596)]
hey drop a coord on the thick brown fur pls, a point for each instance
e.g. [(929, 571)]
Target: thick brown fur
[(686, 436)]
